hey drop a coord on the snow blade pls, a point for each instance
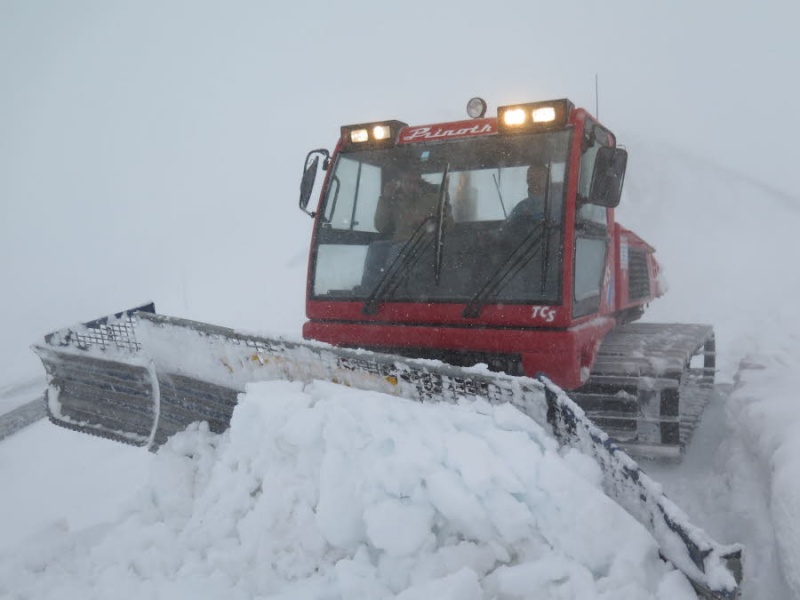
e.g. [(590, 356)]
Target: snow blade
[(139, 377), (718, 567)]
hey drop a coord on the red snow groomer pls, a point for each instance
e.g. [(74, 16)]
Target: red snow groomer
[(493, 240), (488, 241)]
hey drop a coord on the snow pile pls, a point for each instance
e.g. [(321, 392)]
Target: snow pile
[(330, 492), (764, 418)]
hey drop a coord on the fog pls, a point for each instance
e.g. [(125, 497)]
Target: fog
[(153, 150)]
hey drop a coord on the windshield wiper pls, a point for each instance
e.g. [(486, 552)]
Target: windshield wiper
[(516, 261), (500, 195), (548, 229), (525, 252), (414, 247), (437, 264)]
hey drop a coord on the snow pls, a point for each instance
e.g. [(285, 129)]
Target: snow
[(65, 482), (322, 491), (765, 415), (18, 392)]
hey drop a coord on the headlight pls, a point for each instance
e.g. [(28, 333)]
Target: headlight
[(381, 132), (514, 116), (545, 114), (358, 136)]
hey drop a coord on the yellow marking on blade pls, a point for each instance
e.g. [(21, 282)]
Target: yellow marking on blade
[(226, 365), (391, 379)]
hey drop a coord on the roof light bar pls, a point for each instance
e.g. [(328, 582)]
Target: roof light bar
[(370, 135), (534, 116)]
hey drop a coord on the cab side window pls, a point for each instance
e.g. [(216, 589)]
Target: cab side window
[(594, 138), (353, 196), (591, 230)]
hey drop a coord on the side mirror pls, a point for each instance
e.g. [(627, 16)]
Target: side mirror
[(310, 168), (609, 173)]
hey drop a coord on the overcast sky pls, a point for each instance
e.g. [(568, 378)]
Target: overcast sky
[(152, 149)]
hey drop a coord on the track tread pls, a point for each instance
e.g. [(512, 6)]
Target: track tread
[(649, 359)]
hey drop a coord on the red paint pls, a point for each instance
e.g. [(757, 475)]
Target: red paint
[(556, 353)]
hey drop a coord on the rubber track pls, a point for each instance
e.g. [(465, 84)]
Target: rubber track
[(644, 390)]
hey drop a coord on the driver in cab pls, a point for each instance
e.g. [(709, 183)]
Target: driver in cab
[(405, 203), (532, 207)]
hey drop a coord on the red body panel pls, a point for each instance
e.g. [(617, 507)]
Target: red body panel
[(561, 354), (493, 315), (626, 242)]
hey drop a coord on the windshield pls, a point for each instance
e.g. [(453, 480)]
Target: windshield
[(392, 213)]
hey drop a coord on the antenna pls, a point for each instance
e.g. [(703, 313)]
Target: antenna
[(596, 99)]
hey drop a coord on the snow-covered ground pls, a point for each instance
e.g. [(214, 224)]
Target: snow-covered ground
[(328, 492), (18, 392), (726, 243)]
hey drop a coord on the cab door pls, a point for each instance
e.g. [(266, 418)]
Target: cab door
[(593, 285)]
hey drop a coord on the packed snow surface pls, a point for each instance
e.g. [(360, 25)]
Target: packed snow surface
[(322, 491), (764, 415)]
